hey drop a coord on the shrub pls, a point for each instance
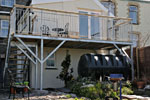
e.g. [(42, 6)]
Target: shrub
[(97, 91), (66, 75)]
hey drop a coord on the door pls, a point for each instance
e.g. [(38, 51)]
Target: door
[(83, 24)]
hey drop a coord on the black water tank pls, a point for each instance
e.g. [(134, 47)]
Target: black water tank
[(103, 65)]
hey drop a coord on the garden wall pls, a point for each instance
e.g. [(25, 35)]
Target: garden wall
[(142, 58)]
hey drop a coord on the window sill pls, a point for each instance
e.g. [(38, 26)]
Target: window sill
[(3, 36), (51, 68), (135, 23), (6, 6)]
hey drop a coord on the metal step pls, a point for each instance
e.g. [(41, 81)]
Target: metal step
[(18, 59), (18, 69), (16, 49), (17, 64), (17, 73), (17, 55)]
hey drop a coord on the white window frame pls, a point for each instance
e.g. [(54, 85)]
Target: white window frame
[(89, 21), (54, 59), (7, 4), (1, 28), (134, 11), (112, 6)]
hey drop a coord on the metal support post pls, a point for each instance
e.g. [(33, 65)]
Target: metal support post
[(118, 49), (41, 87), (54, 50), (25, 53), (132, 64), (36, 67), (27, 48), (126, 55)]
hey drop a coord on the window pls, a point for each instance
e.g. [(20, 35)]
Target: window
[(109, 5), (86, 22), (95, 25), (83, 19), (4, 28), (8, 3), (51, 62), (133, 13)]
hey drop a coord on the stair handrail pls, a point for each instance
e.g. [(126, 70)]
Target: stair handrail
[(25, 71)]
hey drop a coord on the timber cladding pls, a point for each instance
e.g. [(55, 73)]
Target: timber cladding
[(142, 59)]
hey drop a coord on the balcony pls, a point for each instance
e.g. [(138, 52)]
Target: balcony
[(42, 22)]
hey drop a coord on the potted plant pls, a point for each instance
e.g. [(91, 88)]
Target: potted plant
[(26, 83), (140, 84)]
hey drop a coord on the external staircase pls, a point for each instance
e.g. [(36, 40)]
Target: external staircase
[(18, 67)]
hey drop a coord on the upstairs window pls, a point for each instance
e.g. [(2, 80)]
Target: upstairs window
[(4, 28), (133, 13), (8, 3), (110, 6)]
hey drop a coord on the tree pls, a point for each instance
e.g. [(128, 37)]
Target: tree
[(66, 74)]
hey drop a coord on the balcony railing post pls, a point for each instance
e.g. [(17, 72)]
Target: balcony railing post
[(113, 33), (89, 27), (14, 19)]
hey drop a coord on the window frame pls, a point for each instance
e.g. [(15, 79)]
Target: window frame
[(6, 5), (113, 2), (134, 11), (5, 28), (89, 21), (54, 59)]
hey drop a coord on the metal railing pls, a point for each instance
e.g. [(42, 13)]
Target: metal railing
[(54, 23)]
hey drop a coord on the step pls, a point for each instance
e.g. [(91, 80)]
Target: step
[(16, 49), (17, 64), (17, 69), (17, 55), (17, 73), (18, 59)]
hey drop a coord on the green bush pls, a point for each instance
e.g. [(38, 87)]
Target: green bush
[(97, 91)]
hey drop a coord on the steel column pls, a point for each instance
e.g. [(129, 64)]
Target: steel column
[(25, 53), (127, 55), (41, 85), (28, 48), (118, 49), (54, 50), (36, 68), (132, 60)]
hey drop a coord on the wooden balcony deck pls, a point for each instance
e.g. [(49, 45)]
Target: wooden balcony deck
[(34, 24)]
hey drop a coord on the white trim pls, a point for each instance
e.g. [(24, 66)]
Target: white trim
[(54, 59), (6, 5), (5, 28), (4, 12)]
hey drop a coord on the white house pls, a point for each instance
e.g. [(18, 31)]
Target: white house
[(54, 27)]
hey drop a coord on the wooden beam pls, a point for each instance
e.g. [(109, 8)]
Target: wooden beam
[(67, 12)]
